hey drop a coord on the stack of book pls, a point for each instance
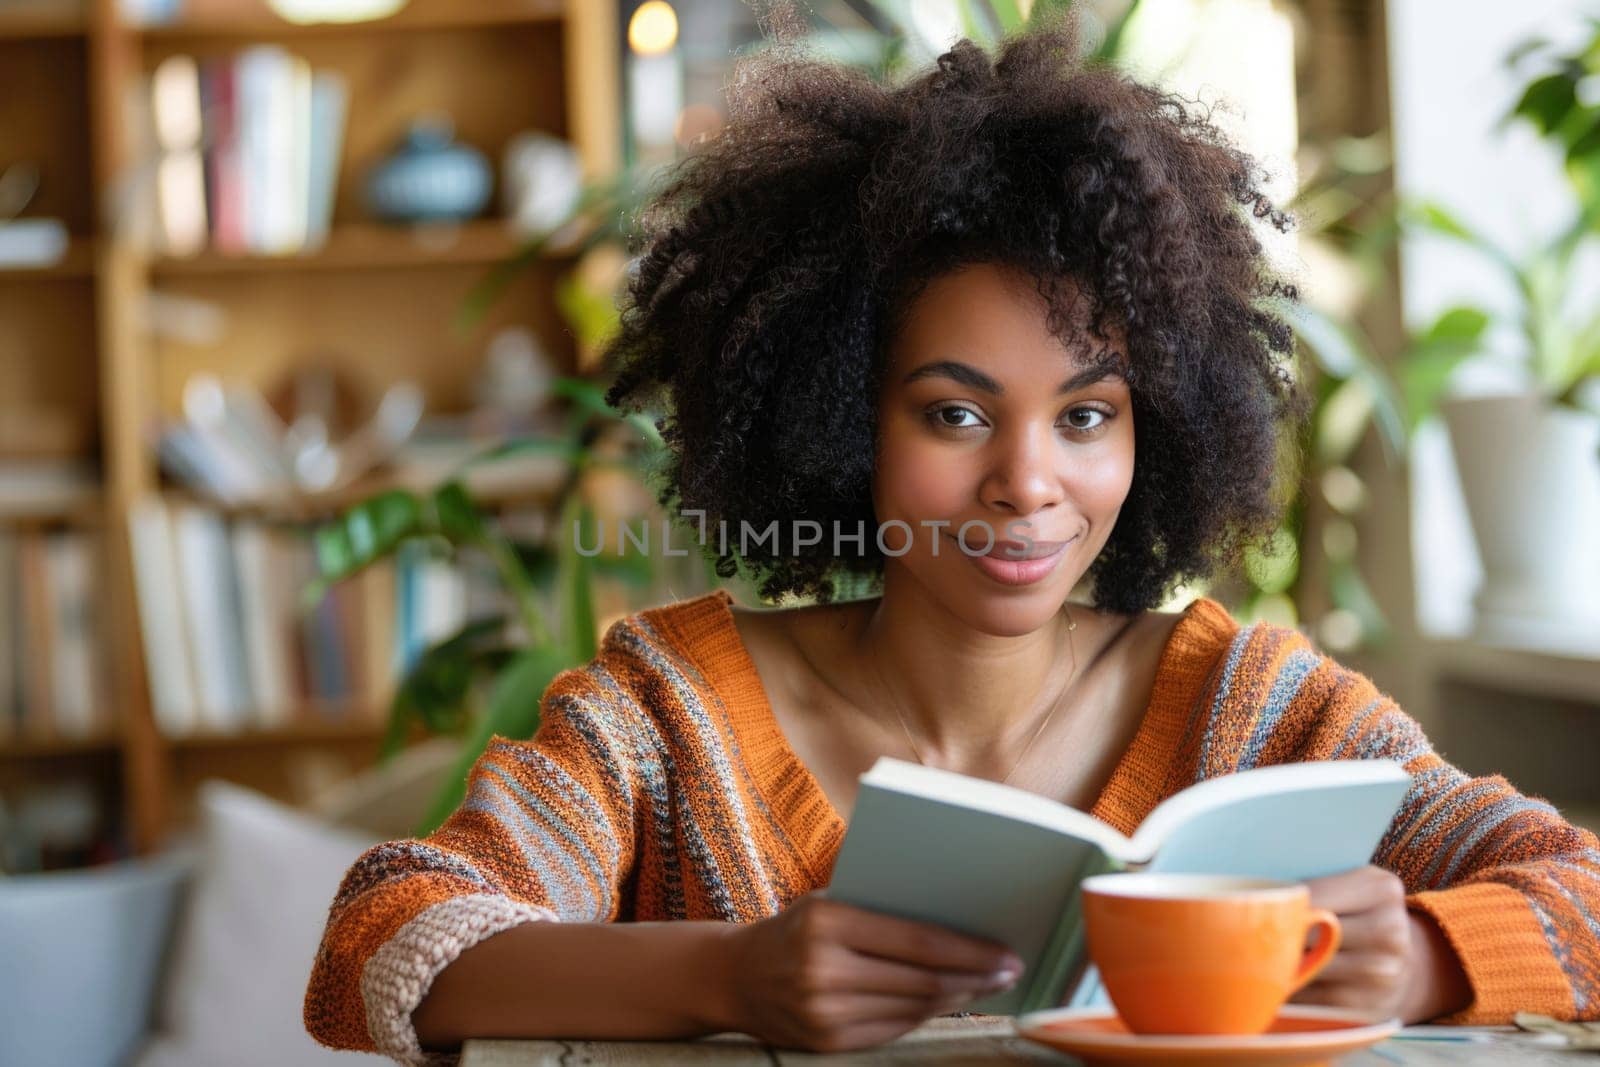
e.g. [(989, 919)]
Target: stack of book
[(52, 677), (247, 149), (232, 644)]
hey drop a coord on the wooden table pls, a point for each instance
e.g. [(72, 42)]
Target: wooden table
[(979, 1039)]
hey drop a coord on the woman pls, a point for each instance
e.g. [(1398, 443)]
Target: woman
[(984, 335)]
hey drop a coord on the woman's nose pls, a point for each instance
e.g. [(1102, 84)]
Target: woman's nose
[(1023, 477)]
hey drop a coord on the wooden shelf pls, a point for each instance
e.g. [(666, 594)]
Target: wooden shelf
[(366, 246), (78, 263), (464, 14), (359, 727), (42, 747), (313, 507), (24, 25), (87, 510)]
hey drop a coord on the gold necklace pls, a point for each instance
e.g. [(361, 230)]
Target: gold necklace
[(1072, 625)]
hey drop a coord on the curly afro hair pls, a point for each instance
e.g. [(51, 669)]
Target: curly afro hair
[(776, 259)]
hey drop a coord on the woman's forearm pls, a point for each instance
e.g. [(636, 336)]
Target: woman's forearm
[(581, 980)]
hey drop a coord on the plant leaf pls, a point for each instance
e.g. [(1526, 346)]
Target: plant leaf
[(631, 568), (592, 313), (1110, 49), (1525, 48), (973, 25), (1349, 590), (1425, 369), (1587, 140), (1009, 15), (458, 516), (1435, 218), (1547, 101), (577, 590), (434, 689), (521, 446), (1346, 357), (1460, 326), (360, 536), (512, 711)]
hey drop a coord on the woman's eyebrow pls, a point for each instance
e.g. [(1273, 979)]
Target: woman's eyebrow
[(966, 374)]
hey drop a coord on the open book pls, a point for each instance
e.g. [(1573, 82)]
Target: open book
[(1001, 863)]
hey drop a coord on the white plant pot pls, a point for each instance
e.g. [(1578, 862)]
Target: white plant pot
[(1530, 474)]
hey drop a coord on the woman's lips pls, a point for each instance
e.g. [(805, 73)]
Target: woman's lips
[(1014, 563), (1025, 550)]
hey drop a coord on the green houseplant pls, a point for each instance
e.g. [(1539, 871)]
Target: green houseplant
[(1528, 450), (487, 678), (1342, 206)]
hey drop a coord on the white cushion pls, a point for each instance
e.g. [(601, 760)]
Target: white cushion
[(267, 874)]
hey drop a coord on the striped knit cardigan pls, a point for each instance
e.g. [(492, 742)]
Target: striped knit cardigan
[(659, 786)]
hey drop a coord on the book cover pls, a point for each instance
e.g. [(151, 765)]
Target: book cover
[(9, 635), (266, 611), (326, 655), (296, 171), (37, 647), (174, 692), (69, 567), (224, 185), (180, 170), (264, 87), (330, 98), (211, 609), (380, 649), (1002, 863)]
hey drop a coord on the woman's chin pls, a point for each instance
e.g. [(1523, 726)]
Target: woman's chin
[(1010, 612)]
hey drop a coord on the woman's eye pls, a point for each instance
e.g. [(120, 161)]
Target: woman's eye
[(955, 418), (1095, 413)]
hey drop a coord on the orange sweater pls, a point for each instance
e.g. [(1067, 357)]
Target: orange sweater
[(659, 786)]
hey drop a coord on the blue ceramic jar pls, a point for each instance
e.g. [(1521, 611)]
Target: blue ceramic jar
[(430, 177)]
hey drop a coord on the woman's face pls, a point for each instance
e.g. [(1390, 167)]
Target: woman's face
[(983, 425)]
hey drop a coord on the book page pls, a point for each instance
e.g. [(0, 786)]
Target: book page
[(1007, 801), (1295, 818)]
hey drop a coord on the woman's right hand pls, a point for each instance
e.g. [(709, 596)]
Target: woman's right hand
[(828, 977)]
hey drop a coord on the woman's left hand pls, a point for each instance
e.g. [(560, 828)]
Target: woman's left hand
[(1391, 961)]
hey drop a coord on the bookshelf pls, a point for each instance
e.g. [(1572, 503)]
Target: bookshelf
[(380, 300)]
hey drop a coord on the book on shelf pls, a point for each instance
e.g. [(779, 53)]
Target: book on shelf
[(10, 659), (231, 645), (180, 168), (1001, 863), (47, 486), (266, 600), (52, 662), (169, 662), (247, 149), (76, 680), (209, 582)]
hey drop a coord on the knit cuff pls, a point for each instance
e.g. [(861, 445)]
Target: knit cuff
[(400, 973), (1504, 952)]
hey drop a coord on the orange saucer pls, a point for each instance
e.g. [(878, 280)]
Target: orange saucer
[(1301, 1035)]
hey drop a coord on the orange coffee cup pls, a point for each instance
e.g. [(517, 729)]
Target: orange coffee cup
[(1200, 953)]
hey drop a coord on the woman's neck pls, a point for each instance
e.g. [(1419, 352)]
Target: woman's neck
[(970, 700)]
